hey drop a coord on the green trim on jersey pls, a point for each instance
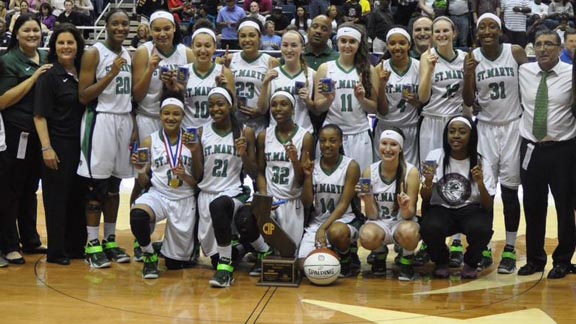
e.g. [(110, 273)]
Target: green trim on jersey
[(500, 50), (343, 69), (288, 75), (207, 73), (388, 182), (407, 68), (250, 61), (445, 58), (219, 132), (294, 131), (329, 172)]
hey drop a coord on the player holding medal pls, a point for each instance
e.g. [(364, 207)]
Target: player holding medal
[(168, 170)]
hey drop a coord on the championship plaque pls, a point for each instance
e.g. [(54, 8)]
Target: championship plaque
[(276, 270)]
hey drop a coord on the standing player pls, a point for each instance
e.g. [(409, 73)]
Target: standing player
[(172, 193), (225, 149), (105, 85), (440, 91), (329, 189), (399, 93), (391, 205), (491, 78), (354, 93), (204, 76), (249, 67), (285, 78)]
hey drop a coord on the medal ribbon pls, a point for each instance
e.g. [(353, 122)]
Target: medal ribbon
[(173, 157)]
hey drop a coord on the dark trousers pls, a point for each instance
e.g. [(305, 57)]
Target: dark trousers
[(403, 13), (61, 190), (8, 230), (23, 178), (550, 165), (518, 38), (440, 222)]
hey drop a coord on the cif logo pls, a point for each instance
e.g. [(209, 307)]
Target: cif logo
[(268, 228)]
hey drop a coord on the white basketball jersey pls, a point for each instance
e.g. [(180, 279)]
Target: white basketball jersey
[(150, 105), (248, 78), (279, 169), (447, 85), (222, 166), (385, 192), (497, 86), (328, 189), (287, 83), (400, 112), (161, 168), (196, 97), (2, 135), (117, 96), (345, 111)]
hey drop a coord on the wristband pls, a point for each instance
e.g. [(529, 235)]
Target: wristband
[(47, 148)]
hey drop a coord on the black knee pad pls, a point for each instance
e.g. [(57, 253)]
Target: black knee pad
[(95, 190), (221, 212), (140, 225), (113, 187), (246, 225)]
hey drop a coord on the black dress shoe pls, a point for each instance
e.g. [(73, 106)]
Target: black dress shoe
[(530, 268), (35, 250), (60, 261), (559, 271)]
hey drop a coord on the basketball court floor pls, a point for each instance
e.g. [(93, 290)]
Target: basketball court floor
[(38, 292)]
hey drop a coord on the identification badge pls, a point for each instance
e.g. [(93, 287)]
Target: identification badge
[(22, 145), (527, 156)]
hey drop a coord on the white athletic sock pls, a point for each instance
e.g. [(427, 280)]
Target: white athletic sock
[(148, 248), (407, 252), (225, 251), (457, 236), (92, 232), (511, 238), (490, 246), (259, 245), (109, 229)]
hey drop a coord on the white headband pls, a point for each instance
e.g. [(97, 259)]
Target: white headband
[(161, 14), (204, 31), (220, 91), (286, 94), (400, 31), (349, 31), (249, 23), (461, 119), (489, 16), (393, 135), (172, 101)]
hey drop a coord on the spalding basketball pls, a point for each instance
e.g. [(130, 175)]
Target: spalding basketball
[(322, 267)]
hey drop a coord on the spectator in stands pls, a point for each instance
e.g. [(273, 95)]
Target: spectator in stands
[(538, 8), (227, 20), (270, 41), (558, 10), (264, 6), (422, 36), (404, 11), (144, 7), (515, 20), (301, 21), (426, 9), (335, 17), (85, 8), (46, 17), (366, 7), (459, 13), (280, 20), (255, 12), (569, 46), (142, 35), (379, 23), (4, 35), (480, 7), (24, 9), (58, 7), (175, 7), (352, 11), (69, 15), (318, 7)]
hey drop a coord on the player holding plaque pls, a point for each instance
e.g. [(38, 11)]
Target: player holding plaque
[(165, 162)]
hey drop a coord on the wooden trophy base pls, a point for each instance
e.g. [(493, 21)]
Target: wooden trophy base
[(281, 272)]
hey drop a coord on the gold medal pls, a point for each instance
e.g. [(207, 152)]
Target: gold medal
[(174, 183)]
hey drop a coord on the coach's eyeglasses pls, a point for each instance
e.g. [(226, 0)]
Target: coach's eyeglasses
[(545, 45)]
